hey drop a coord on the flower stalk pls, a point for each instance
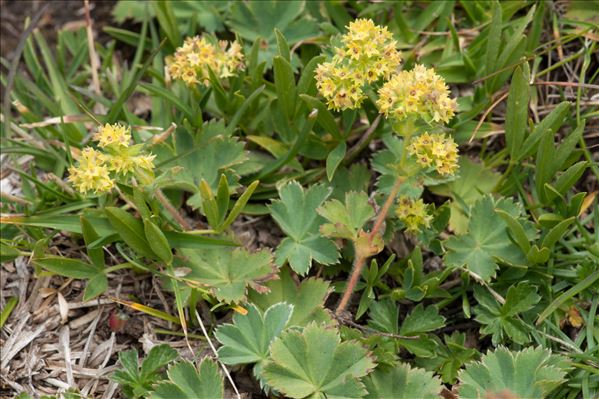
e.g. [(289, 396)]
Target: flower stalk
[(361, 257)]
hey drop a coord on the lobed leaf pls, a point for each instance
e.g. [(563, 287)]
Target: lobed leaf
[(315, 363)]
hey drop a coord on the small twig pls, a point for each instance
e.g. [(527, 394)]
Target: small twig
[(163, 136), (93, 56), (482, 119), (567, 84), (13, 198), (171, 209), (363, 142), (216, 353)]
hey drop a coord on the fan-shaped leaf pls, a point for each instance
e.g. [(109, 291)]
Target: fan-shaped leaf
[(185, 382), (402, 382), (296, 213), (530, 373), (315, 363), (229, 272)]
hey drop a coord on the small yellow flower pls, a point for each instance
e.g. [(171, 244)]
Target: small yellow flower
[(91, 174), (371, 49), (337, 84), (413, 213), (193, 60), (436, 150), (367, 53), (419, 92), (97, 170), (113, 135)]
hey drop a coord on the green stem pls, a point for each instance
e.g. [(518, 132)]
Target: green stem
[(117, 267)]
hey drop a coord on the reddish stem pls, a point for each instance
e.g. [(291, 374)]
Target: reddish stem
[(360, 260)]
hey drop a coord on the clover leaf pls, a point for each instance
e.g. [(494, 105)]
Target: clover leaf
[(296, 213), (486, 243), (315, 363), (228, 272)]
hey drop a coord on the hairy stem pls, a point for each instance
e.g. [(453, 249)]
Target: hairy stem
[(360, 260), (171, 209)]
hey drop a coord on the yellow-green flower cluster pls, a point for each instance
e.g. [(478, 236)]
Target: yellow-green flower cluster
[(367, 52), (417, 92), (413, 213), (436, 150), (92, 173), (192, 61), (97, 170)]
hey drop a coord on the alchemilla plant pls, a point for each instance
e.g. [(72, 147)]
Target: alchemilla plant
[(312, 200)]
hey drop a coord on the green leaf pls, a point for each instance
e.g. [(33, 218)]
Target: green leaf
[(486, 243), (206, 159), (137, 382), (474, 181), (570, 293), (334, 159), (548, 126), (295, 213), (557, 232), (256, 20), (517, 112), (239, 205), (285, 86), (96, 255), (518, 233), (160, 92), (130, 229), (449, 358), (210, 208), (229, 272), (96, 286), (500, 321), (160, 245), (166, 19), (159, 356), (67, 267), (315, 363), (8, 253), (530, 373), (325, 118), (307, 82), (242, 109), (346, 220), (185, 382), (248, 339), (283, 46), (493, 40), (566, 180), (421, 320), (384, 316), (402, 382), (9, 305), (307, 298)]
